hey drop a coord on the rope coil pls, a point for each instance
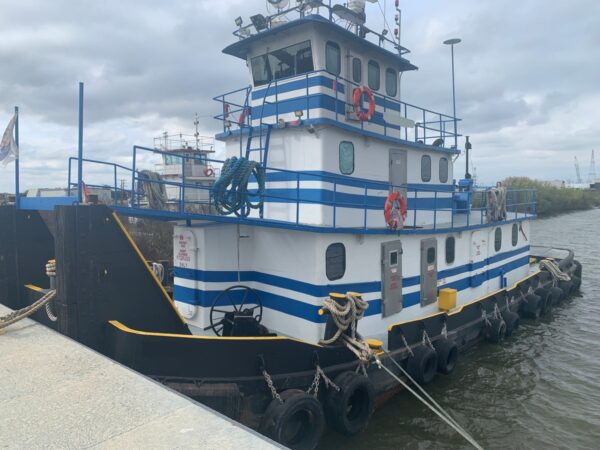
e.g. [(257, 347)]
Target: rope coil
[(230, 191)]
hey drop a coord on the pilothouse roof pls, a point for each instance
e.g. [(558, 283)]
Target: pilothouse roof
[(241, 48)]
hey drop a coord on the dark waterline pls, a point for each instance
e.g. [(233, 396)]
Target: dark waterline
[(539, 390)]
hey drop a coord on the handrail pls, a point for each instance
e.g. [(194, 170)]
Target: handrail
[(383, 101)]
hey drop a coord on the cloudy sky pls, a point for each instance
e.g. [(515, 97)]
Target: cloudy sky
[(528, 73)]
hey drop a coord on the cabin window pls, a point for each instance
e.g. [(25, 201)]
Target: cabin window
[(333, 58), (374, 76), (425, 168), (356, 70), (286, 62), (431, 255), (515, 235), (498, 239), (335, 261), (443, 170), (346, 157), (450, 249), (391, 82)]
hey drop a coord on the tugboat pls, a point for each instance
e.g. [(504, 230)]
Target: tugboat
[(335, 259)]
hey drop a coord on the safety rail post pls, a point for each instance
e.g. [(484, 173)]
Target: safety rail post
[(182, 190), (133, 177), (414, 207), (336, 98), (297, 198), (435, 196), (115, 193), (442, 136), (307, 102), (406, 117), (69, 177), (424, 128)]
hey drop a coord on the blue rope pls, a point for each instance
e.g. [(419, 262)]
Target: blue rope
[(230, 191)]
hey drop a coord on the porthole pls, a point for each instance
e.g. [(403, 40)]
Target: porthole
[(515, 235), (426, 168), (498, 239), (450, 249)]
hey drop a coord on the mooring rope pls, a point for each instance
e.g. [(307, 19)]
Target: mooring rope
[(20, 314), (438, 411), (552, 267)]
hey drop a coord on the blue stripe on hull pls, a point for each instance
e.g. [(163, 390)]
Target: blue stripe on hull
[(310, 312)]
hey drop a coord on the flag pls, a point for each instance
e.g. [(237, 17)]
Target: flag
[(8, 147)]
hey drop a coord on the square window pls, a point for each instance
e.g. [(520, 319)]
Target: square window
[(346, 157), (335, 261)]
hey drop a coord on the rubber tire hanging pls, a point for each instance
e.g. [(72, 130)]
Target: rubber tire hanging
[(349, 410)]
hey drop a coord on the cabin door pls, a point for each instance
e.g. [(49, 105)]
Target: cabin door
[(428, 271), (391, 278), (478, 257), (398, 170)]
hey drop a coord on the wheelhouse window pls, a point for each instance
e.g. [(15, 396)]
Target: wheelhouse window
[(285, 62), (450, 249), (443, 170), (374, 76), (391, 82), (515, 235), (335, 261), (498, 239), (333, 58), (346, 157), (356, 70), (425, 168)]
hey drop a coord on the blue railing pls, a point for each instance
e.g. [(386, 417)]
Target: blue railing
[(346, 204), (429, 126)]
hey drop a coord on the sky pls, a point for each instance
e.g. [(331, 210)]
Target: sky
[(527, 77)]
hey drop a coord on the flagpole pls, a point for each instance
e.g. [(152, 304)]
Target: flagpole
[(17, 193)]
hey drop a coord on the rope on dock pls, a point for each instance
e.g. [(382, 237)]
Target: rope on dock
[(20, 314)]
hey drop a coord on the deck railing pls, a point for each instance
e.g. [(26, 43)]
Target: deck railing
[(429, 126), (343, 203)]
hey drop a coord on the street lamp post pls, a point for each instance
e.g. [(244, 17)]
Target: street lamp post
[(452, 43)]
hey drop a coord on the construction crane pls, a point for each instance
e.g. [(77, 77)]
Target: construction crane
[(592, 173), (578, 172)]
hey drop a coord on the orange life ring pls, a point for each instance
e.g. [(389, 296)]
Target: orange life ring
[(361, 114), (209, 172), (395, 210)]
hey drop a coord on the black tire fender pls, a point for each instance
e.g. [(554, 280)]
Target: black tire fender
[(447, 355), (512, 322), (576, 284), (545, 299), (533, 306), (495, 331), (557, 295), (422, 364), (297, 423), (349, 410)]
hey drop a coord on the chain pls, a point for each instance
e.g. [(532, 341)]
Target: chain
[(269, 381), (327, 380), (497, 314), (314, 387), (407, 346), (426, 340), (444, 331), (485, 317)]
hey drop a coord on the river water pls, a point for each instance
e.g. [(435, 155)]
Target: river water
[(538, 390)]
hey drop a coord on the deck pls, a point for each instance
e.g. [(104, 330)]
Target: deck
[(56, 393)]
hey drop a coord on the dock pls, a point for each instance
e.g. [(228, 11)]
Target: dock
[(57, 393)]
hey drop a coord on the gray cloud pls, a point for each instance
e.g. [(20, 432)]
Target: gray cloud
[(527, 75)]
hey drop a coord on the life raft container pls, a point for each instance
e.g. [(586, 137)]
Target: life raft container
[(395, 210), (361, 114)]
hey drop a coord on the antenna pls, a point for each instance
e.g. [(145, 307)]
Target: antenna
[(592, 173), (578, 172), (197, 133)]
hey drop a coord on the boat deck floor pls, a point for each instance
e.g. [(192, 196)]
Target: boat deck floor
[(56, 393)]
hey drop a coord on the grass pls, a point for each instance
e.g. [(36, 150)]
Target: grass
[(552, 200)]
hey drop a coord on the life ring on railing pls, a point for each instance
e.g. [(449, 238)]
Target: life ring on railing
[(395, 210), (361, 114), (209, 172)]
